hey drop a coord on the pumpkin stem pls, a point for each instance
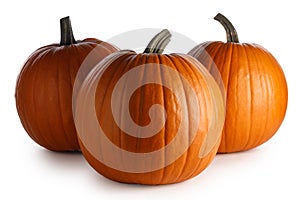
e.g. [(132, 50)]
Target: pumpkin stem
[(229, 28), (158, 42), (66, 33)]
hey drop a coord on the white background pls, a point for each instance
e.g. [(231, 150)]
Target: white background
[(31, 172)]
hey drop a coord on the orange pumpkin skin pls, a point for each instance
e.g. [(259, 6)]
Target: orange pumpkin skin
[(256, 92), (44, 91), (185, 166)]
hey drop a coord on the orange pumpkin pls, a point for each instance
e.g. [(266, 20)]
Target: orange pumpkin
[(149, 118), (44, 88), (256, 89)]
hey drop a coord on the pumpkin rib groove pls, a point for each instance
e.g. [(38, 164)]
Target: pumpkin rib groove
[(263, 86), (190, 70), (79, 60), (41, 87), (129, 61), (279, 70), (205, 101), (162, 62), (184, 156), (143, 75), (37, 125), (219, 51), (215, 51), (153, 59), (174, 165), (163, 103), (34, 73), (140, 60), (227, 87), (170, 168), (267, 89), (106, 94), (250, 101), (70, 140), (257, 138), (48, 139), (206, 160), (122, 135), (24, 116), (203, 162), (59, 104), (233, 86), (123, 70), (20, 105), (176, 170), (235, 74), (188, 65), (65, 130)]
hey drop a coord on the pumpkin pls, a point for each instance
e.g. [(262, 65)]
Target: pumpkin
[(255, 85), (149, 118), (44, 88)]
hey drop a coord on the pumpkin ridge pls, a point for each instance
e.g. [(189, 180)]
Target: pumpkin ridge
[(140, 61), (184, 155), (34, 86), (121, 134), (170, 168), (33, 74), (188, 68), (20, 105), (250, 101), (267, 88), (107, 94), (59, 104), (216, 49), (48, 140), (161, 62), (70, 139), (206, 159), (188, 65), (265, 85), (235, 74), (224, 135), (144, 75)]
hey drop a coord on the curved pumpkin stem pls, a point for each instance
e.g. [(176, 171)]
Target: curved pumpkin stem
[(159, 42), (66, 32), (229, 28)]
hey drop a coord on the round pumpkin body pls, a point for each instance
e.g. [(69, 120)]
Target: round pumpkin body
[(256, 92), (149, 118), (44, 91)]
